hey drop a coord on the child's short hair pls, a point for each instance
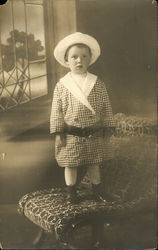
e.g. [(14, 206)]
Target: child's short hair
[(79, 45)]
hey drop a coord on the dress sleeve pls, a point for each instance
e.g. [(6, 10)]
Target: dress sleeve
[(56, 117), (108, 118)]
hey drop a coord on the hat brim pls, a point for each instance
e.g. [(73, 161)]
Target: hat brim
[(76, 38)]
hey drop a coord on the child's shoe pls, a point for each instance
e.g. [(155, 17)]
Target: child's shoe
[(98, 193), (71, 196)]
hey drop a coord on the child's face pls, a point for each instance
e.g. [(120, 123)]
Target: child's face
[(78, 59)]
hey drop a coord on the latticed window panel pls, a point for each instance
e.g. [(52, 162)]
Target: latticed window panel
[(23, 75)]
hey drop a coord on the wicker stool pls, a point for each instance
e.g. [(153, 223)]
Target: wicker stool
[(48, 210)]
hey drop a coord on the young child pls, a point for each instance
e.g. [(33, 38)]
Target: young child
[(81, 113)]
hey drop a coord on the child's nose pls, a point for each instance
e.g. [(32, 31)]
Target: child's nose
[(79, 59)]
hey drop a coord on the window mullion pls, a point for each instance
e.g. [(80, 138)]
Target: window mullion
[(27, 48)]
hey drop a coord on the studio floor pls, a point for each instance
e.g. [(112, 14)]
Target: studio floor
[(17, 232)]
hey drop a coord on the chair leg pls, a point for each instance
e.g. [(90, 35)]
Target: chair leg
[(97, 234), (64, 242), (1, 246), (39, 238)]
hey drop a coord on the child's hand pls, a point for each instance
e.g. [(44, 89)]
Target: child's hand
[(60, 140)]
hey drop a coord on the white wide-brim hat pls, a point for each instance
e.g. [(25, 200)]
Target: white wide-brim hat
[(76, 38)]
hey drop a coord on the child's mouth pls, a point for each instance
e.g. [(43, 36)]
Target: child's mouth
[(79, 66)]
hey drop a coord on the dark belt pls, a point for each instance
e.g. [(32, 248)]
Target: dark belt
[(83, 132)]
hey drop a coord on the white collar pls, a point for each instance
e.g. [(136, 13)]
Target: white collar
[(73, 87), (81, 81)]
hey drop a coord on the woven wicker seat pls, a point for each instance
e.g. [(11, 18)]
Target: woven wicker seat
[(48, 210)]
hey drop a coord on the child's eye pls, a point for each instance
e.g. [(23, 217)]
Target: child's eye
[(74, 56)]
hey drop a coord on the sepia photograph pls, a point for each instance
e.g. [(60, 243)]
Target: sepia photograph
[(78, 124)]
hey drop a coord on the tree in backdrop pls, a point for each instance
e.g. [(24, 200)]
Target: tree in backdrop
[(20, 48)]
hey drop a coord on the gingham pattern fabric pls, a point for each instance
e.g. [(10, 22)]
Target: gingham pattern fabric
[(67, 109)]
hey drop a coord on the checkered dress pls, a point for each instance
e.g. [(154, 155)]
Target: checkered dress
[(67, 109)]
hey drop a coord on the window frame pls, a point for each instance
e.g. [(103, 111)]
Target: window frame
[(48, 60)]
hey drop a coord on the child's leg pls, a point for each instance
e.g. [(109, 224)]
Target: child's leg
[(94, 174), (70, 176), (95, 177), (98, 226), (70, 179)]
